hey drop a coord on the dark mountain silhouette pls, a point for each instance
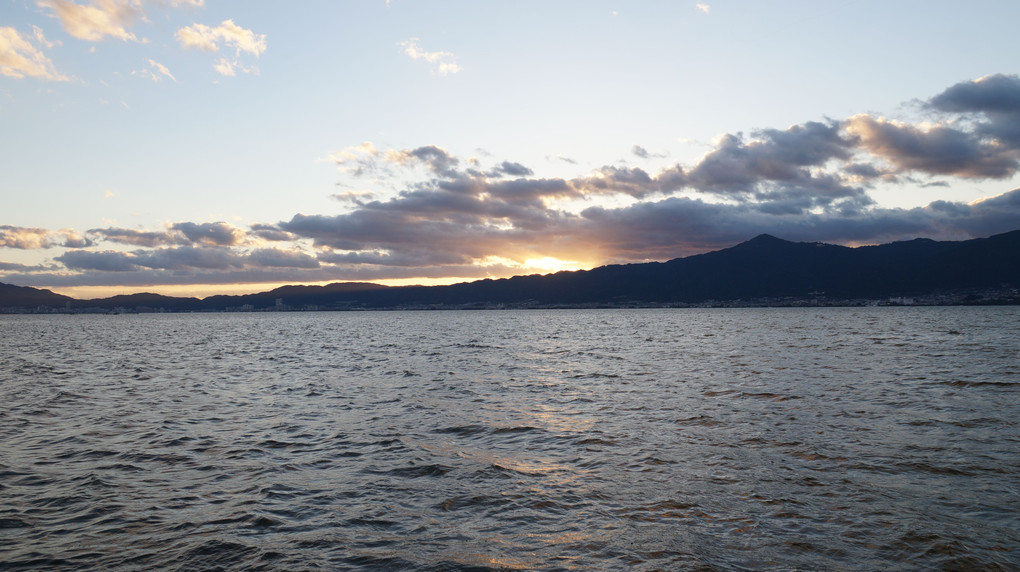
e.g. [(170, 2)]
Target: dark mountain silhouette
[(764, 269), (142, 300), (295, 296), (25, 297)]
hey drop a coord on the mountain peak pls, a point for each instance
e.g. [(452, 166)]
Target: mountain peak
[(764, 239)]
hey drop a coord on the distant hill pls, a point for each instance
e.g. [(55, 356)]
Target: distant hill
[(764, 269), (24, 297), (296, 296)]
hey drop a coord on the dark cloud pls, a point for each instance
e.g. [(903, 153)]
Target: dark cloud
[(993, 94), (14, 267), (677, 226), (438, 160), (106, 260), (185, 258), (990, 216), (210, 233), (408, 258), (405, 236), (639, 151), (353, 197), (783, 171), (996, 98), (735, 168), (634, 182), (189, 257), (867, 171), (937, 151), (391, 244), (511, 169), (133, 237), (271, 233), (277, 258), (181, 233), (529, 191)]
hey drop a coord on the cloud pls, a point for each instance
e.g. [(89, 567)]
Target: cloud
[(977, 135), (180, 233), (808, 181), (991, 94), (156, 72), (23, 238), (736, 166), (15, 267), (703, 7), (74, 240), (278, 258), (98, 20), (225, 67), (227, 34), (442, 62), (510, 169), (133, 237), (19, 57), (355, 197), (185, 258), (436, 159), (271, 233), (357, 160), (427, 212), (936, 150), (634, 182), (639, 151), (106, 261), (784, 170), (995, 97), (210, 234)]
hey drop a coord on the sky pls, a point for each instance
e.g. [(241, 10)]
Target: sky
[(196, 147)]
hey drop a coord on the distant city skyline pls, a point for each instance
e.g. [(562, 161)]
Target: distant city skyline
[(189, 148)]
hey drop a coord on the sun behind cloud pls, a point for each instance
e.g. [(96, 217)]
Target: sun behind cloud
[(550, 265)]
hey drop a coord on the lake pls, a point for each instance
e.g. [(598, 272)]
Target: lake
[(666, 439)]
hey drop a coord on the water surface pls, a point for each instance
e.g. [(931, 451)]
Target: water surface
[(843, 438)]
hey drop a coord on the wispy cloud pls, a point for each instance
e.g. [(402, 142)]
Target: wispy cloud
[(156, 72), (639, 151), (227, 34), (97, 20), (19, 56), (442, 62), (703, 7)]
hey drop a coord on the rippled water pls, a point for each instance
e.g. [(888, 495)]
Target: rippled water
[(641, 439)]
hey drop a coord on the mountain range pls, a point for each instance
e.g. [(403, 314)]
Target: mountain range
[(762, 271)]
